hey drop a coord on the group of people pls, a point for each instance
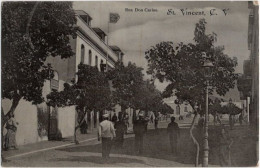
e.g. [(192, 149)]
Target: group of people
[(109, 130), (154, 119)]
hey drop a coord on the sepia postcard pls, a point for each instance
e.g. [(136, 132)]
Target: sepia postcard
[(129, 83)]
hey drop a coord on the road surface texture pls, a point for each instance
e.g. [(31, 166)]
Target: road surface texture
[(156, 151)]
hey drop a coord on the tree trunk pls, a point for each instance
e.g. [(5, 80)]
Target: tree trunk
[(15, 103), (77, 127), (194, 140)]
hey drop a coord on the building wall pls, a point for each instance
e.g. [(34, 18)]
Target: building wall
[(66, 117), (254, 57), (66, 121), (64, 67), (26, 115), (81, 40)]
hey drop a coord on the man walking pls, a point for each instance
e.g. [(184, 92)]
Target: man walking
[(174, 133), (106, 133), (139, 130)]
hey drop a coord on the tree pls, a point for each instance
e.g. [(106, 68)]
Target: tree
[(166, 109), (146, 97), (125, 80), (90, 93), (31, 32), (215, 109), (181, 65)]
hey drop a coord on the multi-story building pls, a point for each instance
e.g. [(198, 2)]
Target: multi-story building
[(248, 83), (43, 122)]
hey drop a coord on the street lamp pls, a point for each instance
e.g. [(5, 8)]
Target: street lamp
[(208, 73)]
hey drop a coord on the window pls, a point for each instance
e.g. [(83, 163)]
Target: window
[(90, 57), (82, 53), (96, 61)]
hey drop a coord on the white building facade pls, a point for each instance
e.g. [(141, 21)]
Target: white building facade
[(41, 122)]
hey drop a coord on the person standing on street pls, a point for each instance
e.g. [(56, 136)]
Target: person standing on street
[(139, 131), (114, 118), (156, 122), (10, 138), (231, 122), (106, 133), (240, 118), (174, 133), (120, 127), (126, 120)]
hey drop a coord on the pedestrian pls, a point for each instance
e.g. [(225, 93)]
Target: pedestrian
[(231, 121), (114, 118), (224, 148), (240, 119), (106, 133), (151, 118), (126, 119), (84, 127), (174, 133), (10, 137), (120, 127), (156, 122), (139, 131)]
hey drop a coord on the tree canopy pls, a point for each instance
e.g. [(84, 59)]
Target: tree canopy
[(147, 97), (90, 92), (125, 80), (31, 32), (181, 65)]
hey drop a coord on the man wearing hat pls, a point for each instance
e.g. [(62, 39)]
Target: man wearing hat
[(106, 133), (139, 130)]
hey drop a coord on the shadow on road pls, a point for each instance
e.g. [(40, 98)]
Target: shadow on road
[(156, 145), (98, 159)]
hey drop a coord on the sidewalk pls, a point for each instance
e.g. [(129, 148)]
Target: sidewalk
[(48, 145)]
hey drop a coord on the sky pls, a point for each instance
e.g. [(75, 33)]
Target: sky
[(136, 32)]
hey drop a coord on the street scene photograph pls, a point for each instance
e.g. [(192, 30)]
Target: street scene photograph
[(129, 83)]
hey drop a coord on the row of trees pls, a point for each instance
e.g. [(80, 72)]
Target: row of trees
[(34, 31), (92, 92)]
